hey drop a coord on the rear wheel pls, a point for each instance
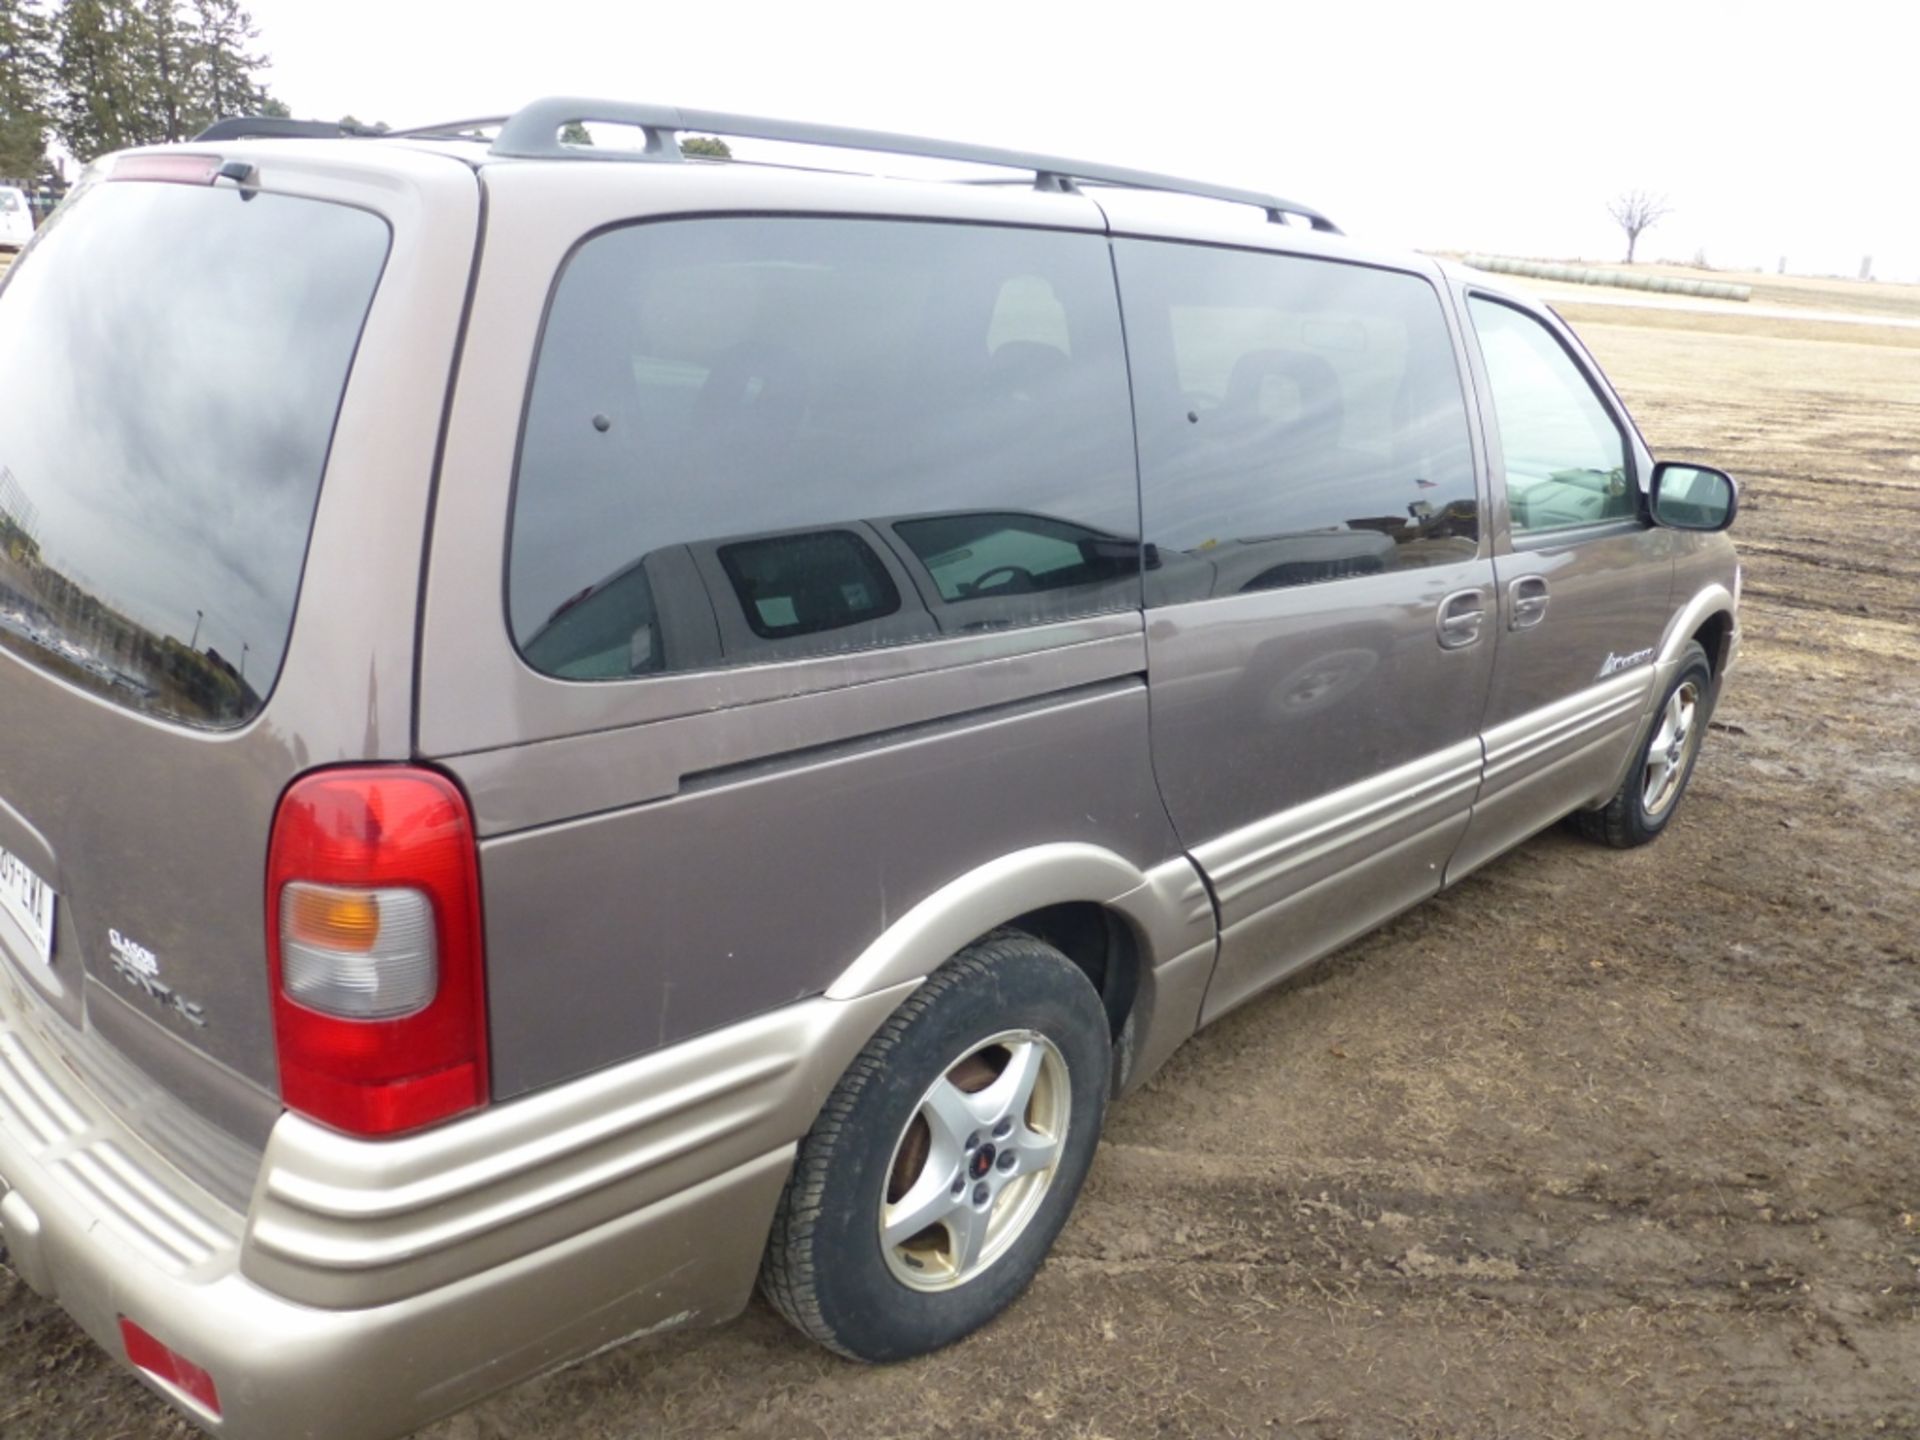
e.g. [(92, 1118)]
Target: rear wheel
[(946, 1160), (1650, 794)]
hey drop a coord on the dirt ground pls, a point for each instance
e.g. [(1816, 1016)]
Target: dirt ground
[(1596, 1144)]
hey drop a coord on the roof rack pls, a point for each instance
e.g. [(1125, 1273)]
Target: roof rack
[(274, 127), (451, 129), (533, 133)]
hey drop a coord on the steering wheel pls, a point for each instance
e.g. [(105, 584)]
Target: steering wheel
[(985, 579)]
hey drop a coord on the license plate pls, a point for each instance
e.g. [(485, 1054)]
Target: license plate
[(30, 901)]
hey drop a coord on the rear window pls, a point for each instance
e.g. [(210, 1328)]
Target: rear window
[(757, 440), (171, 363), (12, 200)]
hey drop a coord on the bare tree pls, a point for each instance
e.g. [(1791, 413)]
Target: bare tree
[(1637, 212)]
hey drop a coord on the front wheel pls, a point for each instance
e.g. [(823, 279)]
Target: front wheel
[(1646, 800), (946, 1160)]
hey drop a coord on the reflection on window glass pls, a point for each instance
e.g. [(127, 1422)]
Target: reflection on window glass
[(171, 361), (802, 584), (1300, 421), (989, 555), (1566, 461), (601, 633), (789, 429)]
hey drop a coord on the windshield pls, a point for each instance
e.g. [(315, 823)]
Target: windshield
[(171, 361)]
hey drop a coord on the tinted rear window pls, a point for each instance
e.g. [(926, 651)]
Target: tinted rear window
[(754, 440), (171, 363)]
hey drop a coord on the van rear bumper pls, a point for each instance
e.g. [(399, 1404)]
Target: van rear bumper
[(284, 1369), (375, 1286)]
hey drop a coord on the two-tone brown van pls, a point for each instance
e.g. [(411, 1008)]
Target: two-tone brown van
[(579, 732)]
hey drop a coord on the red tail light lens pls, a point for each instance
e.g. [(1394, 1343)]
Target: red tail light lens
[(174, 1369), (374, 944)]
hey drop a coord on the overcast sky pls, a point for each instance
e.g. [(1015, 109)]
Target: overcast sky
[(1784, 130)]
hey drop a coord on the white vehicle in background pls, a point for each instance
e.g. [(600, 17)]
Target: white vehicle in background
[(16, 219)]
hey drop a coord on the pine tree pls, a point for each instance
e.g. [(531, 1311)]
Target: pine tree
[(101, 99), (26, 81), (144, 72), (167, 71), (226, 68)]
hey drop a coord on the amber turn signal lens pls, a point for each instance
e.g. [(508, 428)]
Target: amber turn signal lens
[(333, 919)]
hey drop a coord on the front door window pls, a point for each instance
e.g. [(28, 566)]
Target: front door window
[(1566, 460)]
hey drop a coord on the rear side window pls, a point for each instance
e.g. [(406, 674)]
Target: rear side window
[(172, 359), (1300, 421), (762, 439)]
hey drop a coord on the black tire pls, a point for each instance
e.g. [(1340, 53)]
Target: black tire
[(826, 1268), (1627, 820)]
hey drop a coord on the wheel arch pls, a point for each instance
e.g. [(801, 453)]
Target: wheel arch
[(1120, 924), (1710, 609), (1715, 634)]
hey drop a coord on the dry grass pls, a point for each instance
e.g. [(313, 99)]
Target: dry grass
[(1729, 321)]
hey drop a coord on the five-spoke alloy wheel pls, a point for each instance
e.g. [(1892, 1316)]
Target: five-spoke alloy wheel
[(975, 1162), (1670, 752), (946, 1160)]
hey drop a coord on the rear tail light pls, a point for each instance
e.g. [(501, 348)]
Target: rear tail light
[(169, 1367), (374, 944)]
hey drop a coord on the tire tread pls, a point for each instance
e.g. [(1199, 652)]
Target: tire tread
[(787, 1273)]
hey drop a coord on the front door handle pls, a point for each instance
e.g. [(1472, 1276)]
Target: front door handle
[(1526, 602), (1461, 616)]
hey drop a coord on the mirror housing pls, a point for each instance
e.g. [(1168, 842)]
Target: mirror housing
[(1693, 497)]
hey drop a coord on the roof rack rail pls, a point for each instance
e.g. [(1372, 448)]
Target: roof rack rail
[(275, 127), (533, 133), (451, 129)]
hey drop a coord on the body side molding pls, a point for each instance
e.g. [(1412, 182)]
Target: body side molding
[(1262, 864), (1553, 759), (1536, 742)]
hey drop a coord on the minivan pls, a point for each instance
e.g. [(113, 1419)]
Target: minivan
[(582, 729)]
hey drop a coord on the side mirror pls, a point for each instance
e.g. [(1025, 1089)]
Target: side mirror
[(1693, 497)]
